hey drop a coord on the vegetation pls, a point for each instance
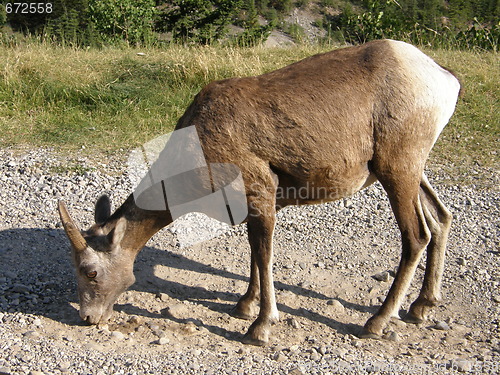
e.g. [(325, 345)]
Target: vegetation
[(198, 21), (424, 23), (437, 23), (112, 98)]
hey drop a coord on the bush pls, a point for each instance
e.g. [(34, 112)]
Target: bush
[(131, 20), (478, 36), (390, 20)]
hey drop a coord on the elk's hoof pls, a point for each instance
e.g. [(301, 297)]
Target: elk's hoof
[(258, 333), (374, 327), (237, 313), (249, 340), (365, 334), (413, 319)]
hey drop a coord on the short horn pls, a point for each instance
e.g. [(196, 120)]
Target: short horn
[(74, 235)]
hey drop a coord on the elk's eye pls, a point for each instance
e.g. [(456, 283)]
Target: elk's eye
[(92, 274)]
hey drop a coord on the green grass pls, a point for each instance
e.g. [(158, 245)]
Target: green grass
[(472, 137), (113, 99)]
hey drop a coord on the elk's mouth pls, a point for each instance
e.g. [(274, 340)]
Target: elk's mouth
[(96, 317)]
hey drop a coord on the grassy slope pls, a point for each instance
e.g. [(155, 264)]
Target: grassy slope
[(115, 99)]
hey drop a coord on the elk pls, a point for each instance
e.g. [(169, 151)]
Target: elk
[(338, 121)]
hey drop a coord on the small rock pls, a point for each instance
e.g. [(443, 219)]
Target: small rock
[(441, 326), (323, 350), (382, 276), (196, 352), (293, 323), (496, 298), (134, 319), (117, 335), (296, 371), (162, 341), (31, 334), (279, 357), (189, 328), (315, 356), (34, 372), (391, 336), (178, 311), (64, 366), (243, 350), (278, 348), (5, 371), (160, 333), (163, 297)]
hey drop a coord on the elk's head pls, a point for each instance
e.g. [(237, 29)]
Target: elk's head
[(104, 269)]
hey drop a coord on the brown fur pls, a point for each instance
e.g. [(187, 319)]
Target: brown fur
[(330, 125)]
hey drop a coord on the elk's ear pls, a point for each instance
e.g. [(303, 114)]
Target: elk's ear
[(116, 234), (102, 209)]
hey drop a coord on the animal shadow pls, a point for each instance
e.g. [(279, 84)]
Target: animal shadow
[(37, 277)]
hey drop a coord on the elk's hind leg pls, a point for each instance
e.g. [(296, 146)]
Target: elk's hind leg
[(438, 219), (403, 192)]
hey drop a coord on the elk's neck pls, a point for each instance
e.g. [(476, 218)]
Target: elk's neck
[(141, 224)]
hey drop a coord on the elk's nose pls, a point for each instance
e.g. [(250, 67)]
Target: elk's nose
[(88, 319)]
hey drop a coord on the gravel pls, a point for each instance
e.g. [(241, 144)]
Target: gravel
[(317, 253)]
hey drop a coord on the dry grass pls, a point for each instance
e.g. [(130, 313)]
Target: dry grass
[(113, 98)]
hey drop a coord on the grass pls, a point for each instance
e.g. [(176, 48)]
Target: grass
[(111, 99), (102, 101), (472, 137)]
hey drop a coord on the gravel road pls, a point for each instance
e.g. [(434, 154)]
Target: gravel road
[(334, 264)]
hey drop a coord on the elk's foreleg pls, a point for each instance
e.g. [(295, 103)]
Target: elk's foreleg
[(245, 308), (261, 199), (260, 233)]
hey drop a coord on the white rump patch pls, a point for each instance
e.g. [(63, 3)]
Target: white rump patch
[(434, 86)]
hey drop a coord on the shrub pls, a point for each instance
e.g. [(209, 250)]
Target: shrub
[(131, 20)]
